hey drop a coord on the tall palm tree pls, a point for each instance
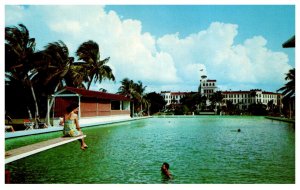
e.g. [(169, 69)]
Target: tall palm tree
[(52, 67), (217, 98), (53, 64), (19, 53), (140, 92), (253, 95), (76, 75), (288, 90), (127, 89), (96, 70)]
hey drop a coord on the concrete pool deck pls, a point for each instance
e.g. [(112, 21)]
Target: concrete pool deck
[(24, 151), (281, 119), (84, 122)]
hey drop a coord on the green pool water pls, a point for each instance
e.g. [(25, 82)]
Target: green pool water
[(200, 150)]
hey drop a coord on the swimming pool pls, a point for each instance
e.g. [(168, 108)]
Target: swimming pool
[(204, 149)]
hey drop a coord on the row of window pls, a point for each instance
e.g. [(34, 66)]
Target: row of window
[(172, 97), (270, 97), (208, 91), (249, 96), (209, 84), (172, 101), (249, 101)]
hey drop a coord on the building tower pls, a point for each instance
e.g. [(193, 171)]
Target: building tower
[(202, 80), (207, 86)]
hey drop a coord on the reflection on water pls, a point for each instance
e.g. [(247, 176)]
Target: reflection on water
[(204, 149)]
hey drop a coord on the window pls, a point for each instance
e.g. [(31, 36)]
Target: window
[(115, 105)]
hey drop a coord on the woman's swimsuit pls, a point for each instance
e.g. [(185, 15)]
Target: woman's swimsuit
[(70, 128)]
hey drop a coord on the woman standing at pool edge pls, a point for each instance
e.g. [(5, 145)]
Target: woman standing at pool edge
[(71, 124)]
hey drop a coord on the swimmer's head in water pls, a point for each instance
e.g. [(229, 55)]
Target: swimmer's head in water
[(165, 165)]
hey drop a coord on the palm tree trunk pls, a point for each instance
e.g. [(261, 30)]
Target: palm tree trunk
[(132, 108), (148, 109), (50, 106), (34, 100), (290, 110)]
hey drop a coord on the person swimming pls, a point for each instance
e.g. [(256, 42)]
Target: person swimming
[(239, 130), (165, 170)]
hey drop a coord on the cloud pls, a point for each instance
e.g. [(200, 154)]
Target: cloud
[(15, 13), (166, 61), (72, 27), (250, 63)]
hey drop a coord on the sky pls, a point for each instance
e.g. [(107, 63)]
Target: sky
[(169, 47)]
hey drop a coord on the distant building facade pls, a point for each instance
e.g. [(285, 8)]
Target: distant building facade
[(243, 99), (246, 98), (207, 87), (173, 97)]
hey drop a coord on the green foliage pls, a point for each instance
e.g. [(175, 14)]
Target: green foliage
[(191, 102), (135, 91), (156, 101), (36, 75), (216, 98), (257, 109), (288, 90), (20, 68), (93, 68)]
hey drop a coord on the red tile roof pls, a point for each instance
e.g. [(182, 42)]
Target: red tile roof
[(235, 92), (246, 92), (96, 94), (179, 93)]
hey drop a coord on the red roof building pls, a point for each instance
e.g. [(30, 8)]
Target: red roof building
[(91, 103)]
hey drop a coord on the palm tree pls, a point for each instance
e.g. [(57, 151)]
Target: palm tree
[(96, 70), (19, 53), (253, 95), (53, 65), (128, 89), (140, 92), (76, 75), (289, 88), (217, 98)]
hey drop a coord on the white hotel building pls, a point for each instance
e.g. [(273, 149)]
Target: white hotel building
[(242, 98), (173, 97), (245, 98)]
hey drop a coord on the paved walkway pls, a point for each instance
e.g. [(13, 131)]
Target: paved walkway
[(60, 128), (281, 119)]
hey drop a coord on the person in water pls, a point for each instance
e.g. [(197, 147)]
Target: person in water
[(239, 130), (165, 170), (71, 124)]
